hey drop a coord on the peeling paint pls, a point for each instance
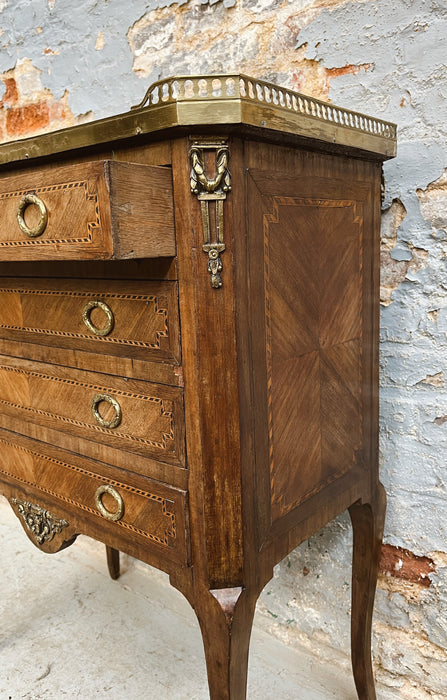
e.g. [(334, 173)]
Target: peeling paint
[(257, 38), (27, 107), (99, 44), (434, 379), (433, 203)]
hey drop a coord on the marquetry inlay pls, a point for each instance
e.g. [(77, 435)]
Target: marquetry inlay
[(323, 354), (92, 225), (156, 306), (20, 464), (41, 402)]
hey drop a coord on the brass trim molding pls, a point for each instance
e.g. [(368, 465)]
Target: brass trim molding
[(231, 100), (42, 524)]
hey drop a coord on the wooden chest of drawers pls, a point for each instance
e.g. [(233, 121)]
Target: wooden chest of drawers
[(188, 343)]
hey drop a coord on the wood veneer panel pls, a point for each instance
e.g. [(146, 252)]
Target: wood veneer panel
[(151, 425), (154, 514), (312, 269), (145, 316), (211, 384), (146, 370)]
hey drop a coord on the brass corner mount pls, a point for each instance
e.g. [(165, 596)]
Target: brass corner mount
[(211, 191)]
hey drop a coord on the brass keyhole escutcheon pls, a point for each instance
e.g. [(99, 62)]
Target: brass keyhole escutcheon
[(119, 512), (113, 422), (41, 225), (86, 317)]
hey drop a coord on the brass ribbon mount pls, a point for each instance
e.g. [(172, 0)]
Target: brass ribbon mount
[(211, 190)]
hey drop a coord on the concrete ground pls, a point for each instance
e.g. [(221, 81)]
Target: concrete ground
[(69, 631)]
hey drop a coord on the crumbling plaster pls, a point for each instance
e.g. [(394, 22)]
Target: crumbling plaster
[(386, 58)]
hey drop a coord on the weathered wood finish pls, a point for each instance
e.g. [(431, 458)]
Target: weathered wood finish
[(249, 412)]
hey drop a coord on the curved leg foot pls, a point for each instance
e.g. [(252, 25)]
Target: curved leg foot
[(225, 616), (367, 523), (113, 562), (226, 620)]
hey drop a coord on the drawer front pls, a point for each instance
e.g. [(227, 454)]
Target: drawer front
[(138, 417), (87, 211), (147, 510), (121, 318)]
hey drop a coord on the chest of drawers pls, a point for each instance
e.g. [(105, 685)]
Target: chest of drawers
[(188, 343)]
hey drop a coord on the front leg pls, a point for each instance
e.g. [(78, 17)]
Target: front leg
[(225, 617), (367, 522), (226, 620)]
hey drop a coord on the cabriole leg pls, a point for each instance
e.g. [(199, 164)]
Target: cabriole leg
[(367, 523), (226, 617)]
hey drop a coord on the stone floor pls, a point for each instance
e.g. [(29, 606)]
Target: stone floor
[(69, 631)]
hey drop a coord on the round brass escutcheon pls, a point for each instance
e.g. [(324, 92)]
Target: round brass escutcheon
[(24, 203), (113, 402), (86, 317), (107, 488)]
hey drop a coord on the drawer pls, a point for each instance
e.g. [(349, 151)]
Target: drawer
[(88, 211), (121, 318), (94, 411), (147, 511)]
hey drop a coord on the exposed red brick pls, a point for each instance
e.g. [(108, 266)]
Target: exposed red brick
[(23, 120), (11, 93), (314, 79), (57, 111), (345, 70), (401, 563), (332, 73)]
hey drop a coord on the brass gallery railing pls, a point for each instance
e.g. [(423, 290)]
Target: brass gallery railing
[(241, 87)]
